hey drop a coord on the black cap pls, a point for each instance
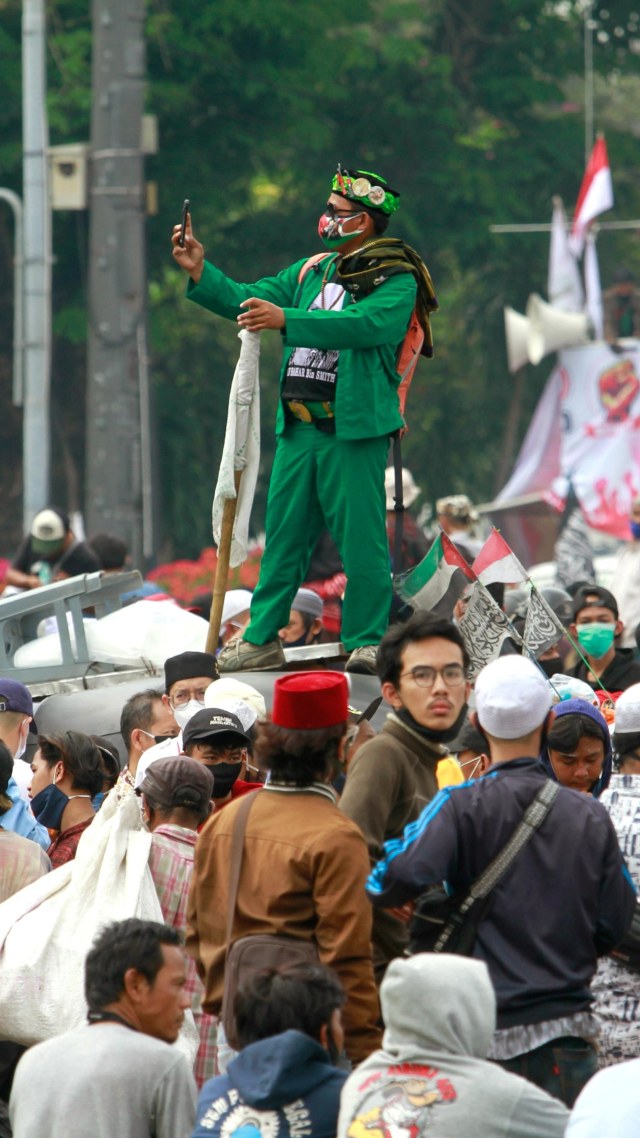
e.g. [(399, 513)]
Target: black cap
[(590, 595), (188, 665), (213, 721)]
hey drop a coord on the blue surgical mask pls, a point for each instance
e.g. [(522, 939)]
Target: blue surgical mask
[(635, 530)]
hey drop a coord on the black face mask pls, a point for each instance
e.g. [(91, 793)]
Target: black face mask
[(224, 776), (49, 805), (444, 736), (551, 666)]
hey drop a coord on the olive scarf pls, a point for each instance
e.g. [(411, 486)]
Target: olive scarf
[(362, 270)]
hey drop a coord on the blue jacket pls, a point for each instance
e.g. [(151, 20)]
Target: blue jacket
[(284, 1086), (566, 898), (20, 820), (583, 707)]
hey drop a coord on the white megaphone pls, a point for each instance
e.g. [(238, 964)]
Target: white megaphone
[(516, 330), (552, 328)]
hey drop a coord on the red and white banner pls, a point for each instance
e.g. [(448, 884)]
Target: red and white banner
[(586, 429), (596, 194)]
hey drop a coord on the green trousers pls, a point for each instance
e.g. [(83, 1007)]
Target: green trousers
[(318, 480)]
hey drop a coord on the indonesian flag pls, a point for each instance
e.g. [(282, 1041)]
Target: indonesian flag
[(438, 581), (596, 194), (496, 562)]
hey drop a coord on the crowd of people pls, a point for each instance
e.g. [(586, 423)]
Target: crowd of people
[(283, 825), (314, 928)]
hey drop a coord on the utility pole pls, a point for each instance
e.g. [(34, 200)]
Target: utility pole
[(37, 264), (118, 435)]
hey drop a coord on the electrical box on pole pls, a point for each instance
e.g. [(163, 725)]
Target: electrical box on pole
[(119, 486)]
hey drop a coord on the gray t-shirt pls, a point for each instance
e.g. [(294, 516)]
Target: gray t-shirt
[(103, 1079)]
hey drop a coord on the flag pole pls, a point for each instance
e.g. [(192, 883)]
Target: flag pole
[(222, 566)]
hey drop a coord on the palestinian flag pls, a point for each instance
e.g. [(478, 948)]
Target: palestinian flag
[(496, 562), (437, 582)]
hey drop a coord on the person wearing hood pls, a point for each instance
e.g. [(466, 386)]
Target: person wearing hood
[(422, 669), (578, 752), (284, 1080), (565, 900), (431, 1075), (616, 986)]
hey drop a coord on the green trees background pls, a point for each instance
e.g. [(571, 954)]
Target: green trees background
[(474, 109)]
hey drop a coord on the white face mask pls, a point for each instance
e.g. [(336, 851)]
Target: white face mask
[(182, 715), (22, 745)]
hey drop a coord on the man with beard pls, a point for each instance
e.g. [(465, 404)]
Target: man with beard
[(422, 669)]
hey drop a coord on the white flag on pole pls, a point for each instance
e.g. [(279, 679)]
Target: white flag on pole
[(241, 449), (593, 287), (564, 287), (596, 194)]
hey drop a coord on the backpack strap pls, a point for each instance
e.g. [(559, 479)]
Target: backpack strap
[(309, 264), (235, 860)]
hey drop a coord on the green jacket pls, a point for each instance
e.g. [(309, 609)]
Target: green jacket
[(367, 334)]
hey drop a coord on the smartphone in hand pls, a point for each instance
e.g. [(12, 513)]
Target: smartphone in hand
[(183, 224)]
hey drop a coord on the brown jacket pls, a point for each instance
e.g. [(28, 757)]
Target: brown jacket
[(303, 875), (390, 781)]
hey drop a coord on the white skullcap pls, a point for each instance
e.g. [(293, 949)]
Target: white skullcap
[(627, 708), (409, 489), (512, 697), (238, 707), (235, 602), (228, 688)]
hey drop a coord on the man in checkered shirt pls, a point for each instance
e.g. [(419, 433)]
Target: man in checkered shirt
[(176, 799)]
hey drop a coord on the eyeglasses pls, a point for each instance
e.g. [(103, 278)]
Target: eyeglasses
[(333, 212), (182, 698), (452, 674)]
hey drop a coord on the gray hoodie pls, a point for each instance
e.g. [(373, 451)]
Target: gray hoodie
[(431, 1077)]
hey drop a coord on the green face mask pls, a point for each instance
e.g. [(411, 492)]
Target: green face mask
[(596, 639)]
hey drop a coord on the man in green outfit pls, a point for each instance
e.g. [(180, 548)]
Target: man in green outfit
[(342, 317)]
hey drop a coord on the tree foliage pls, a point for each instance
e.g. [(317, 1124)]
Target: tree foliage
[(472, 108)]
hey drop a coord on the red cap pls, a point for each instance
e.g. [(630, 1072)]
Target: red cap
[(303, 700)]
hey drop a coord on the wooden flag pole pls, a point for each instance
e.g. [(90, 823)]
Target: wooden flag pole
[(222, 567)]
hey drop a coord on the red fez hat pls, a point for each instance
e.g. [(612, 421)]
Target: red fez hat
[(304, 700)]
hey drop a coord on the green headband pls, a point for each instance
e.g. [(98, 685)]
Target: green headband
[(363, 186)]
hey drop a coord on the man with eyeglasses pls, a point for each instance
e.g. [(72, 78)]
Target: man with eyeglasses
[(342, 317), (422, 669), (187, 677), (145, 720)]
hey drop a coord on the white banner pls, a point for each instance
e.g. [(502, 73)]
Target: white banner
[(593, 396)]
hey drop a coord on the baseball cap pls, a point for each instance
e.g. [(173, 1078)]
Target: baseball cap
[(228, 687), (14, 696), (213, 721), (512, 697), (589, 595), (307, 700), (48, 530), (178, 782)]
